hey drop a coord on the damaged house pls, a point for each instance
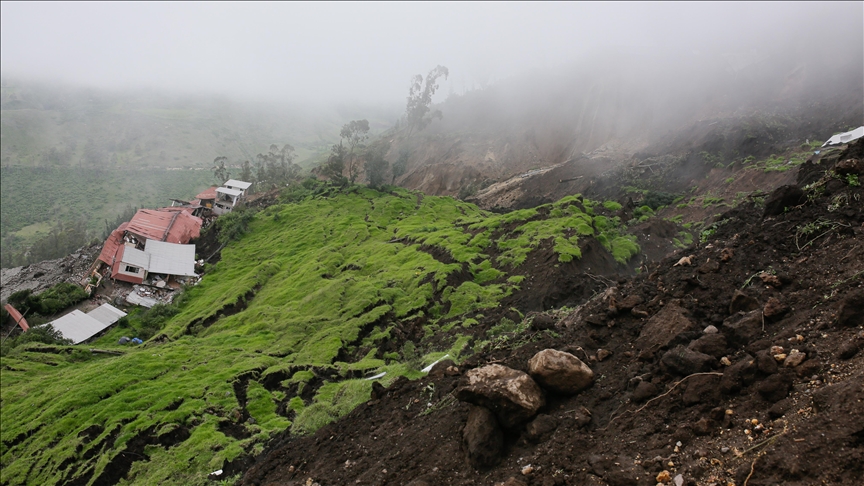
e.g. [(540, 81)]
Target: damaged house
[(154, 242), (227, 196)]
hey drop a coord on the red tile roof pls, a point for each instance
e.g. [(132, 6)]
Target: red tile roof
[(17, 317), (207, 194), (112, 244), (160, 225)]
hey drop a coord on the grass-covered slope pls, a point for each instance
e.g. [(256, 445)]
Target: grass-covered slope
[(278, 334)]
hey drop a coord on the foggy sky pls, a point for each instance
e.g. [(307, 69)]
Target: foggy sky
[(366, 52)]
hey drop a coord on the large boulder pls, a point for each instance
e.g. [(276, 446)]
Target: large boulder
[(560, 372), (483, 437), (511, 394)]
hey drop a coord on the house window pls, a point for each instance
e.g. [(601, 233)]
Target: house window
[(131, 269)]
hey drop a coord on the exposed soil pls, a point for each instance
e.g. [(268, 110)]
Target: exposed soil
[(688, 377)]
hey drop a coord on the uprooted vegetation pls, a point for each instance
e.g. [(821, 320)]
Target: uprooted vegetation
[(306, 302)]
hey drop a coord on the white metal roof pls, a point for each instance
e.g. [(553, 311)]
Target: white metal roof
[(106, 314), (78, 326), (847, 137), (170, 258), (238, 184), (230, 192), (136, 257)]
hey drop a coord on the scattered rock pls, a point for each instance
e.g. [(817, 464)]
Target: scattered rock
[(630, 302), (726, 254), (850, 348), (779, 409), (483, 437), (703, 426), (766, 363), (742, 329), (741, 374), (711, 344), (701, 389), (710, 330), (770, 279), (742, 302), (849, 166), (541, 428), (684, 361), (560, 372), (582, 416), (774, 309), (710, 266), (644, 390), (527, 470), (851, 312), (603, 354), (663, 328), (542, 322), (664, 477), (794, 358), (776, 387), (512, 395), (685, 261)]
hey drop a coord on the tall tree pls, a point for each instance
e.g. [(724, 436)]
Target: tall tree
[(335, 165), (354, 133), (220, 172), (420, 99), (400, 166), (376, 165)]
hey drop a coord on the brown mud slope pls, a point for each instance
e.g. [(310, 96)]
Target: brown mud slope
[(743, 365)]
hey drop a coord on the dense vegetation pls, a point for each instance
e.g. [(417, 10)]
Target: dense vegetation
[(279, 333)]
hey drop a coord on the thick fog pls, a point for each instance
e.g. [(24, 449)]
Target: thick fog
[(366, 52)]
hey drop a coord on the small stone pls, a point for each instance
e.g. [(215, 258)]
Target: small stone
[(780, 357), (725, 361), (711, 330), (603, 354), (777, 350), (726, 254), (664, 477), (678, 480), (670, 464), (527, 470), (559, 371), (794, 359)]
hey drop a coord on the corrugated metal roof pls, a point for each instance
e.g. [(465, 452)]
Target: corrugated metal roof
[(170, 226), (106, 314), (78, 326), (17, 317), (237, 184), (230, 192), (171, 258), (112, 244), (209, 193), (136, 257)]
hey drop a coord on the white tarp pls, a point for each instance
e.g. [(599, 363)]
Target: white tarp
[(847, 137), (80, 327), (171, 258)]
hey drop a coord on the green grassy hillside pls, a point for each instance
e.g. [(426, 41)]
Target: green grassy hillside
[(279, 334)]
